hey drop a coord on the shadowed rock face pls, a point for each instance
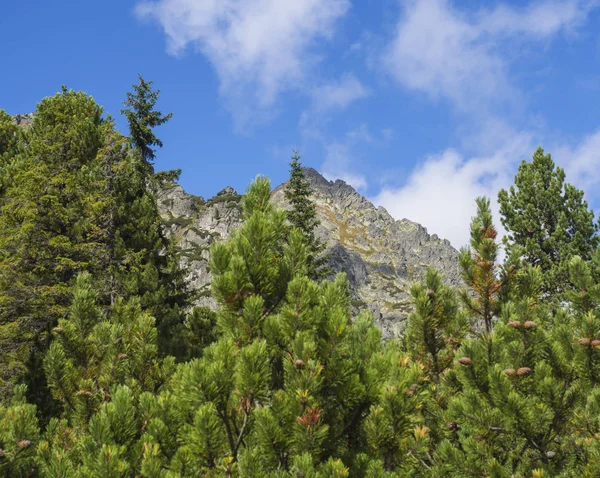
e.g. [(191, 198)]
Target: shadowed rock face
[(380, 255)]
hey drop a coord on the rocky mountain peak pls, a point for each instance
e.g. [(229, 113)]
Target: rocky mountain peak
[(381, 256), (228, 191)]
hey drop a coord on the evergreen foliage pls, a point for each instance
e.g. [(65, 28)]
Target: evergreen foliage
[(303, 216), (547, 221), (149, 268), (500, 378), (142, 119), (49, 228), (74, 198)]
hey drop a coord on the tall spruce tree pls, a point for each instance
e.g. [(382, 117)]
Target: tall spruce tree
[(303, 215), (151, 269), (142, 119), (547, 221)]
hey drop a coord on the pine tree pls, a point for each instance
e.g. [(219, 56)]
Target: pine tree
[(478, 267), (436, 327), (547, 221), (90, 354), (289, 383), (48, 224), (9, 133), (142, 119), (303, 216), (19, 436), (514, 414), (152, 271), (10, 142)]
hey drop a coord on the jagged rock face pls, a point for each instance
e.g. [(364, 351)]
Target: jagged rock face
[(196, 224), (380, 255), (24, 120)]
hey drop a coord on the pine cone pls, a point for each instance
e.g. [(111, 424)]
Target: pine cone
[(430, 292), (510, 371), (118, 340), (465, 361), (491, 233), (595, 343), (523, 371), (299, 364), (529, 324), (452, 426), (122, 356), (515, 324), (84, 393), (584, 341), (58, 330), (295, 313), (24, 444)]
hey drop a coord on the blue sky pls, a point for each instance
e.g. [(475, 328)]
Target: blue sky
[(420, 104)]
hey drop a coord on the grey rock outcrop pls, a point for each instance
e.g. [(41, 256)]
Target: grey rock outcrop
[(381, 256), (24, 120)]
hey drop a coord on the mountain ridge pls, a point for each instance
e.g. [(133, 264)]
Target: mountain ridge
[(381, 256)]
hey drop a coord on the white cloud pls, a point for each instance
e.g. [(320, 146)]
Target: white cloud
[(440, 193), (338, 95), (447, 53), (259, 48), (538, 20), (464, 58)]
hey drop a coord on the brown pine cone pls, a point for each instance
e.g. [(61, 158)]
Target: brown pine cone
[(523, 371), (595, 343), (465, 361), (515, 324), (24, 444), (529, 324), (122, 356), (299, 364), (584, 341), (510, 371)]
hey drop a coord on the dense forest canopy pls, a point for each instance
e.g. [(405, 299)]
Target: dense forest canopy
[(108, 370)]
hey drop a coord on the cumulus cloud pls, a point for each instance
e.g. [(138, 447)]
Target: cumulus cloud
[(464, 57), (259, 48), (447, 53), (440, 193)]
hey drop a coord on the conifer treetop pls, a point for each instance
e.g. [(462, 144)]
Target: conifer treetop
[(142, 118)]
